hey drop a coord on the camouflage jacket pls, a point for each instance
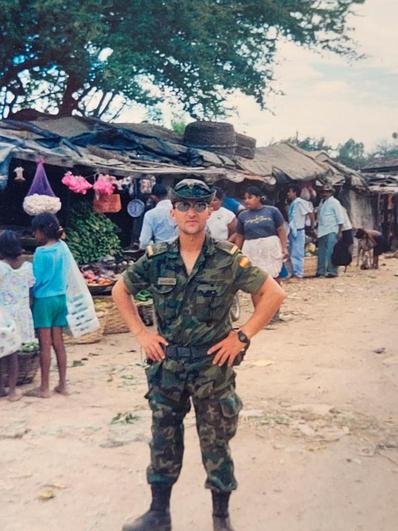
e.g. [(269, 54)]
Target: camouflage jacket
[(193, 310)]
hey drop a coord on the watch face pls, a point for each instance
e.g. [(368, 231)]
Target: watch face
[(243, 337)]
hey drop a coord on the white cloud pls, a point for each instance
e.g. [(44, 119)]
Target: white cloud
[(324, 95)]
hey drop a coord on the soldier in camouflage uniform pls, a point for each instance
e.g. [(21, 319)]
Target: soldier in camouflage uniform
[(193, 281)]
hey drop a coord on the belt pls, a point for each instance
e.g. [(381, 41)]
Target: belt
[(192, 354), (186, 353), (302, 228)]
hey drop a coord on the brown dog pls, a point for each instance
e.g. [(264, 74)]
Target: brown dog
[(365, 253)]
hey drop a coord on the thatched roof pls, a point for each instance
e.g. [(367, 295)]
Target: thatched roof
[(135, 149), (340, 173), (382, 165)]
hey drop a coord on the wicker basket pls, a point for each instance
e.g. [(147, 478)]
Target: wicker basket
[(219, 137), (107, 204), (115, 323), (92, 337), (310, 266), (28, 365)]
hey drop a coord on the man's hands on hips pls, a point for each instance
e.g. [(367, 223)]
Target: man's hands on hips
[(152, 344), (227, 350)]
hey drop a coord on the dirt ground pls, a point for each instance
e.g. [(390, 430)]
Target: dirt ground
[(316, 450)]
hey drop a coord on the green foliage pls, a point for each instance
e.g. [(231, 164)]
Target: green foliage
[(309, 143), (91, 236), (386, 150), (52, 51), (178, 126), (352, 154)]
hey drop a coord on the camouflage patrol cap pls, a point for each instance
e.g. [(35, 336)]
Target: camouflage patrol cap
[(193, 190)]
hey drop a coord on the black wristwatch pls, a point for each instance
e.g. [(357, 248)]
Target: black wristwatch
[(243, 338)]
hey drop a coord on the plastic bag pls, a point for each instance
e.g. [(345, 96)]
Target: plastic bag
[(10, 340), (82, 318), (40, 184), (40, 197)]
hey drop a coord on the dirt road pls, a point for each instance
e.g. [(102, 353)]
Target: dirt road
[(317, 447)]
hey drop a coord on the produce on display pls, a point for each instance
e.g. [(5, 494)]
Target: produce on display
[(40, 197), (76, 183), (30, 346), (37, 204), (91, 236)]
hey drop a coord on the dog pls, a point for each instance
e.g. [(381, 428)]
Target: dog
[(365, 253)]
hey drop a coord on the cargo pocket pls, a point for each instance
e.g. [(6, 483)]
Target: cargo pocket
[(210, 300), (153, 373), (165, 302), (231, 404)]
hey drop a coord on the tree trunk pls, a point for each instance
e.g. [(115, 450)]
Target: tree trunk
[(69, 103)]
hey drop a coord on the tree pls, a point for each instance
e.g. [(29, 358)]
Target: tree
[(386, 150), (310, 143), (352, 154), (91, 56)]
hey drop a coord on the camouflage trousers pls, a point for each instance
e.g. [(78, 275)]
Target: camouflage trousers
[(172, 387)]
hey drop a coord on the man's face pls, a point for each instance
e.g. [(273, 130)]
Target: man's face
[(190, 216), (291, 195), (325, 194)]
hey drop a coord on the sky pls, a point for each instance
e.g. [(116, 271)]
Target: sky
[(327, 96)]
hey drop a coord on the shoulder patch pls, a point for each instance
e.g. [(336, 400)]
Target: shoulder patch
[(156, 248), (227, 247)]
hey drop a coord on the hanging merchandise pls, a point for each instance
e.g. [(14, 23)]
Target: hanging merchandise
[(147, 183), (19, 175), (136, 208), (105, 184), (107, 204), (76, 183), (41, 197), (105, 200)]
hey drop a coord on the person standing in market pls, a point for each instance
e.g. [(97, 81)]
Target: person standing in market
[(222, 222), (299, 210), (158, 225), (330, 226), (191, 358), (261, 233)]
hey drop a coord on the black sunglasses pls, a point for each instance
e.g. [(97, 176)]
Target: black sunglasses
[(184, 206)]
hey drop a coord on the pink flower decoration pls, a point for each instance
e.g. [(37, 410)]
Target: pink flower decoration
[(105, 184), (76, 183)]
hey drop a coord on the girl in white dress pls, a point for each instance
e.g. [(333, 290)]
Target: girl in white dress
[(16, 279)]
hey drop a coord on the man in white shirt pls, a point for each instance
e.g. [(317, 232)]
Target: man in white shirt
[(330, 226), (222, 222), (299, 210), (158, 225)]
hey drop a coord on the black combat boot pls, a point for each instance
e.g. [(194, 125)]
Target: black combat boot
[(221, 521), (158, 517)]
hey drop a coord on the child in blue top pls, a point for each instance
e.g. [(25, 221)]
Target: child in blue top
[(50, 268)]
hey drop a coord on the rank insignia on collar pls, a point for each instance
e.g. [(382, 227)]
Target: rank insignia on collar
[(244, 261)]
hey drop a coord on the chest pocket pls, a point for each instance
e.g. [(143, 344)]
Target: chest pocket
[(212, 300), (165, 301)]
